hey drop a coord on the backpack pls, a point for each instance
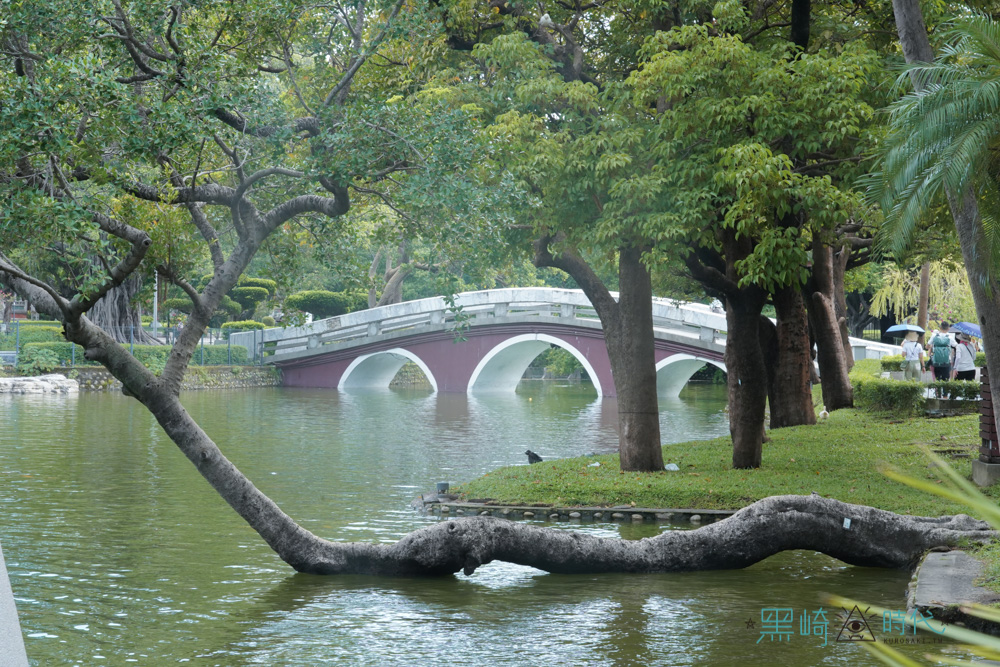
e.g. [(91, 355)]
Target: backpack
[(941, 351)]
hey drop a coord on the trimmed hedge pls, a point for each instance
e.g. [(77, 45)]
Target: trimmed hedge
[(151, 356), (967, 389), (980, 359), (32, 334), (243, 325), (892, 362), (893, 396), (877, 394)]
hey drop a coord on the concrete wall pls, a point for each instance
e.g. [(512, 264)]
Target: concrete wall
[(197, 377), (11, 642)]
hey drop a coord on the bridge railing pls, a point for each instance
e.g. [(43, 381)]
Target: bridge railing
[(689, 320)]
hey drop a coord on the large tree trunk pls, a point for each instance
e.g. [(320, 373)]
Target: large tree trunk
[(840, 260), (791, 398), (924, 298), (964, 207), (746, 378), (628, 334), (831, 356), (119, 316)]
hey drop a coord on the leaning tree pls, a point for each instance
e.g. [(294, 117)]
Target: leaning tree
[(253, 121)]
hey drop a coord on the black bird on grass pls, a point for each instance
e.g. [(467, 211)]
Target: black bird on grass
[(533, 457)]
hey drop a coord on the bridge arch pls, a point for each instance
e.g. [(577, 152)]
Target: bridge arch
[(673, 372), (376, 370), (503, 366)]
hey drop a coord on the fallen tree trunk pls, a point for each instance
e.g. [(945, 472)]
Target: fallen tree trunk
[(874, 538)]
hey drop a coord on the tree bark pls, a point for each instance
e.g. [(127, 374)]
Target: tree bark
[(840, 259), (924, 297), (746, 379), (876, 538), (791, 398), (831, 356), (117, 315), (628, 334)]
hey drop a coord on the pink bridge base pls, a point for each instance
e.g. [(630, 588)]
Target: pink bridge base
[(493, 358)]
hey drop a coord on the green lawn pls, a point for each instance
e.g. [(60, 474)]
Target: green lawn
[(837, 458)]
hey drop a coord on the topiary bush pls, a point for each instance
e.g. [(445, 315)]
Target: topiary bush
[(322, 304), (267, 321), (248, 297), (966, 389), (181, 304), (269, 285), (244, 325)]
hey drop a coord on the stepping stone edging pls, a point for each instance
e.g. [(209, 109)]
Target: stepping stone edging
[(958, 571), (618, 514)]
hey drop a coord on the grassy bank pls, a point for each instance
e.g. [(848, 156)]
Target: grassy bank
[(837, 458)]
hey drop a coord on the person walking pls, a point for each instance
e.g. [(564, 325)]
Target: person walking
[(965, 358), (913, 357), (942, 349)]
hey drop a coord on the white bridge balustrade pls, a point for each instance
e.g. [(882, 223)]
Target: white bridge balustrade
[(380, 340)]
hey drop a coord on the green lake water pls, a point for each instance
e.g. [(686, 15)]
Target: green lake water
[(120, 554)]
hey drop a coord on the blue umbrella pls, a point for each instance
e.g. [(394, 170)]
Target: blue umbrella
[(898, 328), (967, 328)]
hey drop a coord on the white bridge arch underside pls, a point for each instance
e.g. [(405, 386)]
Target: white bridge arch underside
[(376, 370), (503, 367), (673, 372)]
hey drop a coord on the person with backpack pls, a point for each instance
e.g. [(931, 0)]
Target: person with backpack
[(965, 358), (941, 348)]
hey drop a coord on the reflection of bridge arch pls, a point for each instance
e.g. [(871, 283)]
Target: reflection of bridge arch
[(502, 367), (376, 370), (673, 372)]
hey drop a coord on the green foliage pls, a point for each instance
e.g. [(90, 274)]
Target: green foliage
[(561, 363), (180, 304), (37, 361), (244, 325), (964, 389), (945, 136), (267, 321), (248, 297), (892, 362), (882, 395), (269, 285), (980, 359), (322, 304), (152, 356), (31, 334)]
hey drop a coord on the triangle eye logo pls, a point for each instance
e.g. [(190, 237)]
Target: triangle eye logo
[(856, 628)]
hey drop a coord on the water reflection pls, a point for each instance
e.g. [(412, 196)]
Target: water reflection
[(118, 551)]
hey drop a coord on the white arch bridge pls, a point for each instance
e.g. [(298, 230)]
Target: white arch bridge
[(506, 329)]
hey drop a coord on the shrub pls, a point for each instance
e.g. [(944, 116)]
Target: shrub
[(980, 359), (876, 394), (37, 361), (248, 297), (243, 325), (269, 285), (267, 321), (182, 304), (967, 389), (322, 304), (892, 362), (152, 357), (31, 334)]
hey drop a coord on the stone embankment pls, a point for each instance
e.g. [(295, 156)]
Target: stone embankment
[(43, 384), (197, 377)]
